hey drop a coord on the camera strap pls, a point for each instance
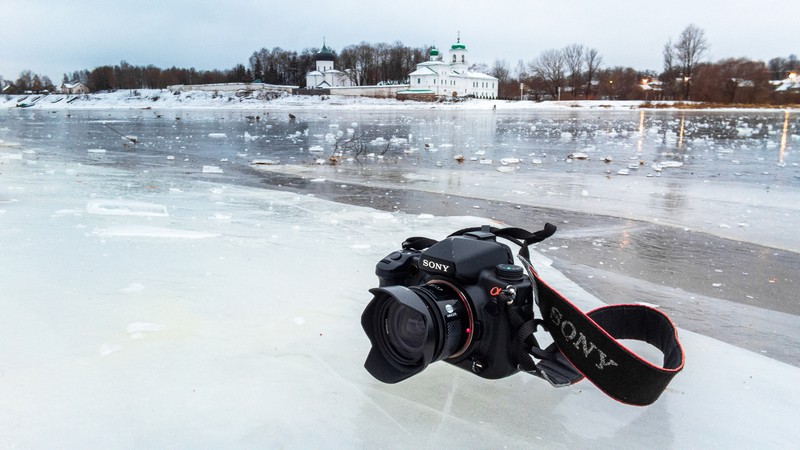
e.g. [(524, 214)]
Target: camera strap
[(591, 344), (588, 344)]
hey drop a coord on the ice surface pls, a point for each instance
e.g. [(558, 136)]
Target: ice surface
[(117, 331), (698, 205)]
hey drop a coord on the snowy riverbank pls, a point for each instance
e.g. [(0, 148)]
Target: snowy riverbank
[(165, 99)]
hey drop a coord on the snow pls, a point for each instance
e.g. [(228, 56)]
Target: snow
[(165, 99), (141, 310)]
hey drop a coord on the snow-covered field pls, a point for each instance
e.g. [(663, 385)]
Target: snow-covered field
[(142, 310)]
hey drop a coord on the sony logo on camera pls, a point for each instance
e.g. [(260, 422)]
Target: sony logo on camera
[(429, 264)]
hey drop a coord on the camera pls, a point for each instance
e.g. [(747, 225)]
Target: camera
[(451, 302)]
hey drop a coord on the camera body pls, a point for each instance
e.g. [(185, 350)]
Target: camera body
[(448, 302)]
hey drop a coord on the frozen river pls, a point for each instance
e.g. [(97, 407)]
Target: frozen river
[(749, 148), (155, 274), (732, 174), (686, 210)]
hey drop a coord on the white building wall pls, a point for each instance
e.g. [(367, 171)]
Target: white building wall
[(388, 91), (314, 79)]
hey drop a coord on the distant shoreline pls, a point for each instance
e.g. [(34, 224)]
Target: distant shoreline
[(165, 99)]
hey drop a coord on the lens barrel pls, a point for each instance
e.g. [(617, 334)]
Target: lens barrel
[(411, 327)]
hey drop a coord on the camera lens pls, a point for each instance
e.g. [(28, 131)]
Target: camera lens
[(405, 332), (411, 327)]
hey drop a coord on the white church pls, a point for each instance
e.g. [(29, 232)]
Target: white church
[(452, 76), (326, 76)]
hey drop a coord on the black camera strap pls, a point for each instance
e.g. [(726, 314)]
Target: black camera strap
[(588, 344)]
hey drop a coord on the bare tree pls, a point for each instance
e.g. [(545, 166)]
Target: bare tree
[(670, 70), (521, 71), (593, 61), (550, 66), (687, 52), (363, 59), (500, 70), (780, 68), (480, 67), (573, 59), (47, 83)]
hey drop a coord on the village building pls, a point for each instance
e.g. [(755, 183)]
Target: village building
[(326, 75), (74, 88), (789, 84), (452, 76)]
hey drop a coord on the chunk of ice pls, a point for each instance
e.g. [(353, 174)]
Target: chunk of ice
[(125, 208), (212, 169), (151, 232)]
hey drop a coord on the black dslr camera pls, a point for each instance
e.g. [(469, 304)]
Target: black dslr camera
[(448, 302), (464, 301)]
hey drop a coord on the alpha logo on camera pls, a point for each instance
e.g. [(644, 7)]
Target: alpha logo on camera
[(431, 265), (578, 339)]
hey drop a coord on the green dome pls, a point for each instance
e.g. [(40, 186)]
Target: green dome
[(458, 45), (434, 52), (325, 54)]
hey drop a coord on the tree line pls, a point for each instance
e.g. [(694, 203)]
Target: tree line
[(368, 64), (128, 76), (573, 72)]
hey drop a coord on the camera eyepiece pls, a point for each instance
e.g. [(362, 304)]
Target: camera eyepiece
[(411, 327)]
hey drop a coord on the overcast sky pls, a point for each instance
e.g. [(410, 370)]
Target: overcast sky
[(55, 37)]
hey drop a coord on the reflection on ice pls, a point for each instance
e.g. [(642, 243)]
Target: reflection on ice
[(783, 138)]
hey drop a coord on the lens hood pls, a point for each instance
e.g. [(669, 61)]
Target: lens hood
[(382, 361)]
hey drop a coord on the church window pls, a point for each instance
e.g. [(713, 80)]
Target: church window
[(454, 58), (462, 59), (419, 81)]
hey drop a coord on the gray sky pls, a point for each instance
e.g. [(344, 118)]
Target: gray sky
[(54, 37)]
